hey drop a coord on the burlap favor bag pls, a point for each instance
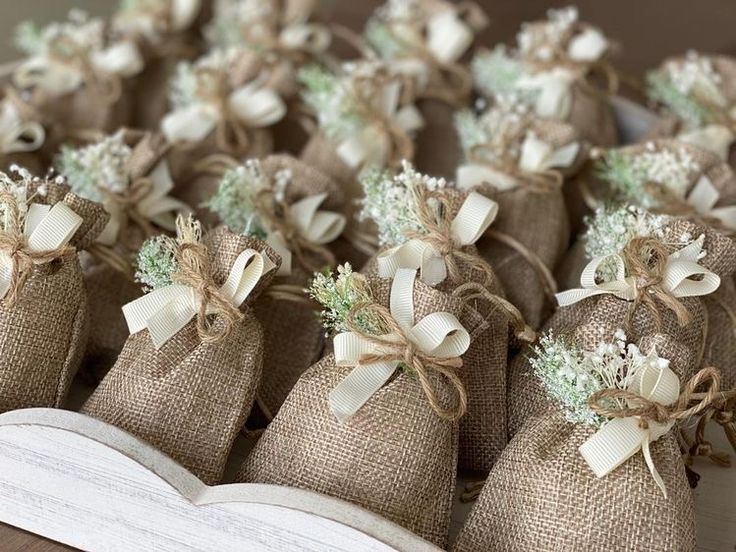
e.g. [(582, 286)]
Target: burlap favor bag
[(524, 159), (697, 94), (552, 70), (43, 312), (292, 206), (165, 33), (366, 118), (187, 377), (427, 43), (376, 423), (605, 475), (651, 300), (222, 108), (425, 223), (76, 78), (127, 173)]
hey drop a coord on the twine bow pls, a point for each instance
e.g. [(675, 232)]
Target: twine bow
[(386, 138), (659, 277), (535, 167), (300, 228), (227, 112), (437, 251), (41, 238), (165, 311), (647, 411), (433, 345)]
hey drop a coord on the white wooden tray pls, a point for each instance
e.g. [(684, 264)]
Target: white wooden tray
[(85, 483)]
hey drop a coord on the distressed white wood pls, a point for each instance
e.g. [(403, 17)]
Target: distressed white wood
[(85, 483)]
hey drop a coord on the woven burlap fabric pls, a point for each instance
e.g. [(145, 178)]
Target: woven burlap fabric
[(45, 331), (320, 152), (541, 495), (438, 150), (294, 336), (395, 456), (602, 315), (592, 115), (483, 428), (190, 398), (150, 94), (538, 220), (720, 343)]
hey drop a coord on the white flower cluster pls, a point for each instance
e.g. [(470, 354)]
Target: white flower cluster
[(538, 42), (499, 130), (189, 84), (156, 262), (497, 73), (63, 39), (231, 17), (391, 202), (628, 173), (90, 170), (338, 295), (234, 201), (572, 375), (18, 184), (695, 74)]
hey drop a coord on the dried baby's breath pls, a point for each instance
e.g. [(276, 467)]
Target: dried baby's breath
[(156, 262)]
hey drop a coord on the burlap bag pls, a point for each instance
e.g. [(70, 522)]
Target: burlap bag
[(190, 398), (294, 337), (395, 456), (541, 495), (531, 233), (483, 428), (596, 319), (45, 329)]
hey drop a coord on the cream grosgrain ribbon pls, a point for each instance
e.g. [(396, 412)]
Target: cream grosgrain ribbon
[(253, 104), (703, 198), (474, 217), (314, 225), (620, 438), (156, 206), (57, 77), (536, 156), (438, 335), (372, 145), (680, 267), (17, 135), (165, 311), (47, 228), (553, 90)]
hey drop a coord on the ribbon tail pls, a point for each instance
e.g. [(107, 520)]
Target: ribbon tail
[(357, 387), (650, 464)]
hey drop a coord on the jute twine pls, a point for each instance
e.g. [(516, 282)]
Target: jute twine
[(396, 346), (14, 244), (194, 270)]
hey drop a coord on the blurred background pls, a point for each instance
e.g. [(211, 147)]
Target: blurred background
[(647, 30)]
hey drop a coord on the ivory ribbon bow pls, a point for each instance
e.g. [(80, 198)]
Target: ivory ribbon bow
[(157, 206), (318, 227), (677, 279), (17, 135), (553, 87), (305, 37), (439, 334), (704, 197), (474, 217), (253, 104), (58, 77), (168, 16), (621, 438), (165, 311), (372, 144), (714, 138), (448, 36), (46, 228), (536, 156), (587, 46)]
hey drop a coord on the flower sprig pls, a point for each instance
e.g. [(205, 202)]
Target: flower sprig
[(235, 199), (232, 16), (338, 294), (391, 202), (92, 169), (192, 80), (499, 130), (19, 184), (396, 28), (538, 44), (498, 72), (629, 173), (571, 375), (156, 262), (65, 39), (689, 88)]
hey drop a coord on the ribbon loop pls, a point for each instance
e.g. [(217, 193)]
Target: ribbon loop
[(435, 342)]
